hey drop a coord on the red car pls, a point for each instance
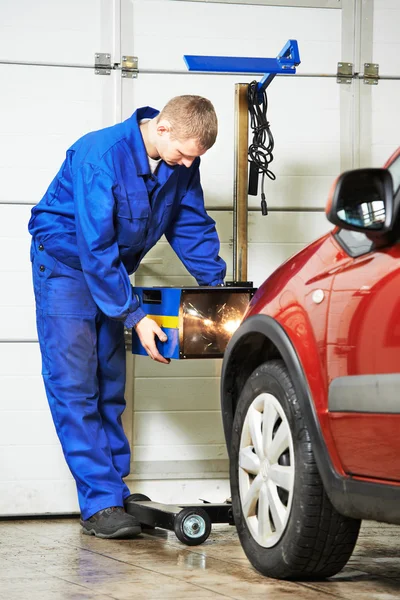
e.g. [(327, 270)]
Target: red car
[(311, 389)]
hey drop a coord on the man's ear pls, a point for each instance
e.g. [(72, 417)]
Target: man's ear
[(163, 127)]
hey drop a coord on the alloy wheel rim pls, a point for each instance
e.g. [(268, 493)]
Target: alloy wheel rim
[(266, 470)]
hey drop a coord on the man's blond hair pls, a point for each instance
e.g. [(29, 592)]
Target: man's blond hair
[(191, 117)]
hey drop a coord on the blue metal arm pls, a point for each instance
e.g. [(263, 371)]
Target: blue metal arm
[(286, 62)]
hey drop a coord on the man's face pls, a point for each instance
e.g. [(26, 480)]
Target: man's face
[(174, 151)]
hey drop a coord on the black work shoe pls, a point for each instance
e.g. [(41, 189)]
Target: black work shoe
[(112, 522)]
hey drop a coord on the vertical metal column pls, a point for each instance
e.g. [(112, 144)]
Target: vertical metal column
[(240, 197)]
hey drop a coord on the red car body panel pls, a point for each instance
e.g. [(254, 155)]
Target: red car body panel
[(364, 339), (354, 330)]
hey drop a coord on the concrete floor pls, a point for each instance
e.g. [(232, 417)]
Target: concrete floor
[(51, 559)]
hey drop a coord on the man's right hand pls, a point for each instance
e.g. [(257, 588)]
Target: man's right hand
[(147, 329)]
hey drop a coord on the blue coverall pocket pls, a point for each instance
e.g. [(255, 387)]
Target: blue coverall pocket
[(68, 293), (132, 228)]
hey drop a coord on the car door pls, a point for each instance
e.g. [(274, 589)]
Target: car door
[(363, 356)]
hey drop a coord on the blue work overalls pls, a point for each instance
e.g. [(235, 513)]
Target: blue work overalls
[(101, 214)]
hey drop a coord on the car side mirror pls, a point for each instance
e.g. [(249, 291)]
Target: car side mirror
[(362, 200)]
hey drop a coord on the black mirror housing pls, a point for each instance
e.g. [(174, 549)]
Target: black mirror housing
[(362, 200)]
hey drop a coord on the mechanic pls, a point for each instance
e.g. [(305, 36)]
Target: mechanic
[(118, 191)]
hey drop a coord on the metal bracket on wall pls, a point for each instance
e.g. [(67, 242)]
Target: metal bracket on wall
[(129, 67), (102, 63), (371, 73), (345, 72)]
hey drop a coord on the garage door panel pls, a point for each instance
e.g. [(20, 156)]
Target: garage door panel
[(384, 98), (181, 393), (385, 123), (299, 191), (22, 393), (177, 428), (34, 478), (20, 359), (385, 131), (380, 153), (65, 32), (17, 290), (177, 368), (44, 497), (198, 452), (14, 221), (162, 259), (63, 99), (265, 258), (17, 249), (17, 145), (386, 44), (17, 313), (27, 428), (42, 112), (277, 227), (284, 227), (229, 29), (16, 467), (18, 323)]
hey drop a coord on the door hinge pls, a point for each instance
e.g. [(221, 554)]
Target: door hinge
[(129, 67), (371, 73), (345, 72), (102, 63)]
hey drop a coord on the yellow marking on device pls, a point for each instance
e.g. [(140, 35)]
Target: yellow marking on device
[(165, 321)]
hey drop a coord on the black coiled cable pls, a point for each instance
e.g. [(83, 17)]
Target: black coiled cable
[(260, 153)]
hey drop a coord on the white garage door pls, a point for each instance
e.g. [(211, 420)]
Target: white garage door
[(177, 421), (51, 96), (43, 109)]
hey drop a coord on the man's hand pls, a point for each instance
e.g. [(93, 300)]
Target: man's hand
[(147, 329)]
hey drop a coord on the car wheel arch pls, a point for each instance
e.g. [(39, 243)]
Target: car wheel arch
[(259, 338)]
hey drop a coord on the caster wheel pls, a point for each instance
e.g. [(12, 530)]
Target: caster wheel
[(192, 526), (139, 498)]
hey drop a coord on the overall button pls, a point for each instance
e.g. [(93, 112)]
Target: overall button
[(42, 268), (41, 247)]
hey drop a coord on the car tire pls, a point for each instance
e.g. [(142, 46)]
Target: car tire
[(287, 526)]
